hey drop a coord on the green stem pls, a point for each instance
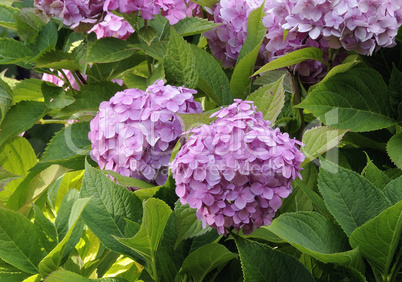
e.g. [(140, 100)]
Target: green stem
[(396, 268)]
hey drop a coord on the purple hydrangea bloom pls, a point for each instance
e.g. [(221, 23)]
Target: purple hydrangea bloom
[(226, 40), (173, 10), (236, 170), (135, 131), (113, 26), (72, 12)]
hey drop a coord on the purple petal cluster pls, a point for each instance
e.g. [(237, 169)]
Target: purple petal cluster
[(173, 10), (362, 26), (236, 170), (135, 131), (113, 26), (72, 12), (226, 40)]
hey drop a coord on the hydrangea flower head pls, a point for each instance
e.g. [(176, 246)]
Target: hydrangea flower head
[(135, 131), (226, 40), (72, 12), (236, 170)]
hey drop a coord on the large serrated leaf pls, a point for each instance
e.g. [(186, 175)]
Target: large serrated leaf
[(204, 259), (394, 149), (179, 62), (194, 25), (20, 241), (351, 198), (11, 273), (269, 99), (262, 263), (68, 147), (212, 79), (57, 60), (28, 25), (20, 117), (375, 175), (46, 228), (313, 234), (109, 49), (146, 241), (106, 212), (6, 177), (187, 224), (7, 17), (378, 238), (157, 49), (47, 38), (13, 51), (319, 140), (28, 89), (356, 99), (68, 276), (393, 190), (295, 57)]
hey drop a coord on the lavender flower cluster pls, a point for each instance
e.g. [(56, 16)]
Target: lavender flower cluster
[(74, 12), (236, 170), (112, 26), (135, 131), (362, 26)]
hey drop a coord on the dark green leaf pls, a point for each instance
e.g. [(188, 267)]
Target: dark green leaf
[(6, 99), (56, 97), (21, 117), (350, 197), (106, 212), (13, 51), (9, 273), (394, 149), (157, 49), (194, 25), (47, 38), (204, 259), (47, 229), (28, 25), (395, 89), (57, 60), (212, 79), (262, 263), (109, 49), (28, 89), (148, 34), (20, 241), (393, 190), (7, 17), (375, 175), (355, 99)]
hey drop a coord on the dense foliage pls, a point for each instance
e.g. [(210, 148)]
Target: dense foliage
[(176, 140)]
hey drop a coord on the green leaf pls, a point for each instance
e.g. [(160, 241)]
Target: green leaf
[(187, 224), (57, 60), (90, 96), (106, 212), (7, 17), (240, 81), (13, 51), (395, 89), (109, 49), (295, 57), (148, 34), (394, 149), (68, 276), (375, 175), (378, 238), (47, 38), (212, 79), (194, 25), (46, 228), (28, 89), (28, 25), (190, 121), (56, 97), (21, 117), (206, 3), (350, 197), (393, 190), (128, 181), (20, 241), (16, 156), (146, 241), (356, 99), (6, 177), (319, 140), (6, 99), (9, 273), (269, 99), (262, 263), (179, 62), (157, 49), (313, 234), (256, 31), (68, 147), (52, 261), (205, 259)]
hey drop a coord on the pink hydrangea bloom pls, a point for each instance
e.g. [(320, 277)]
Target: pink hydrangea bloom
[(236, 170), (173, 10), (112, 26), (72, 11), (135, 131), (226, 40)]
